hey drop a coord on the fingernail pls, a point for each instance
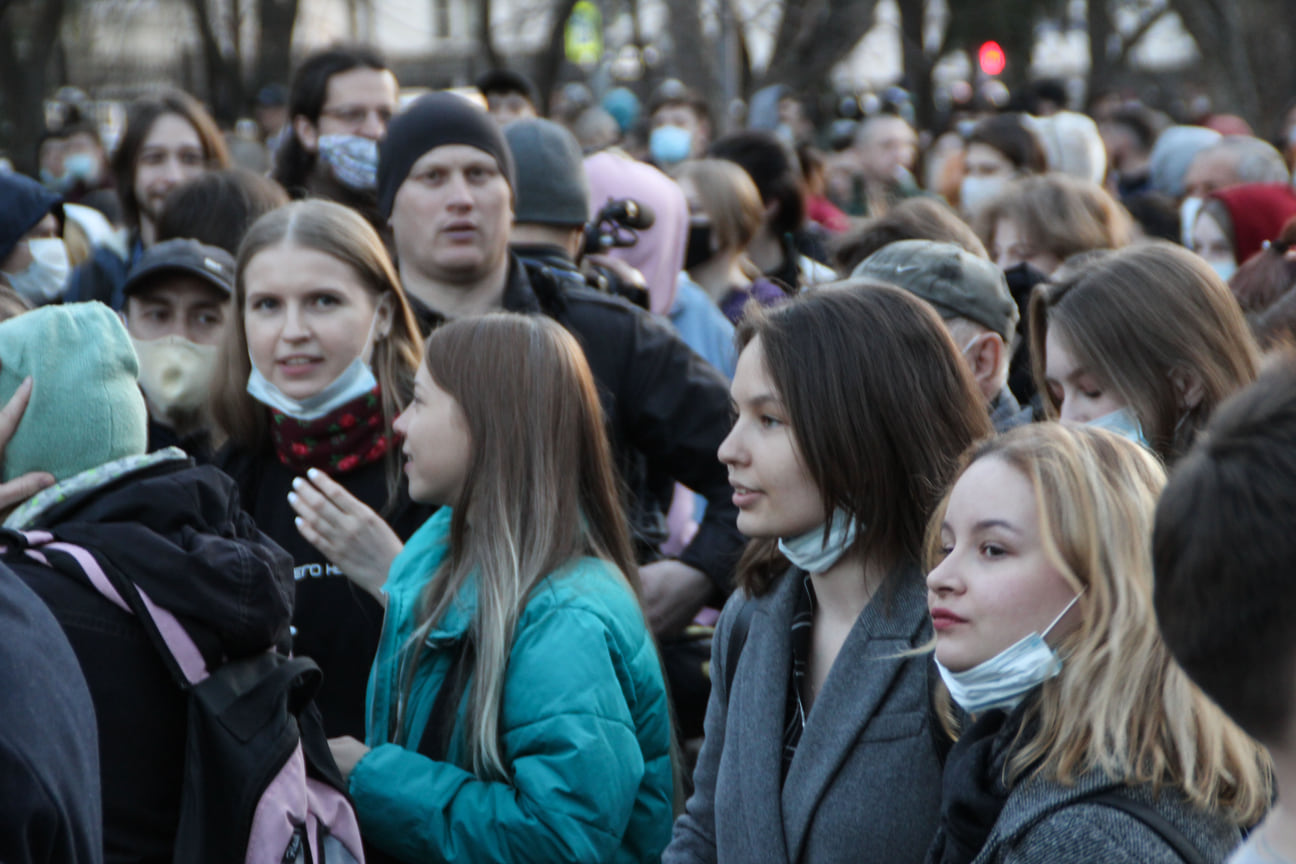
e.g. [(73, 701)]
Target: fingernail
[(313, 473), (297, 521), (297, 482), (292, 497)]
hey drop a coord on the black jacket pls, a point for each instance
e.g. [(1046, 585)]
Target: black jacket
[(178, 532), (667, 409), (49, 761), (336, 624)]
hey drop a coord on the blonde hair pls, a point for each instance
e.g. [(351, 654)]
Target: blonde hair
[(1058, 214), (729, 197), (1133, 318), (341, 233), (1121, 705), (540, 492)]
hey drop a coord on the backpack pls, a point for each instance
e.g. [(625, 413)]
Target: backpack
[(260, 785)]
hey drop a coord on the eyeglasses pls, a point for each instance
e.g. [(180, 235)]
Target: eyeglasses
[(356, 115)]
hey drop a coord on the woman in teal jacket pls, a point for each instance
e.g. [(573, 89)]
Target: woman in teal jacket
[(516, 709)]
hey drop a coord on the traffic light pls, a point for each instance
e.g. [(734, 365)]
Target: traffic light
[(991, 59)]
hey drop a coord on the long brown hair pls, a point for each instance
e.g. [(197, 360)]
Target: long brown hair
[(140, 117), (1137, 316), (1121, 705), (880, 405), (345, 235), (540, 492)]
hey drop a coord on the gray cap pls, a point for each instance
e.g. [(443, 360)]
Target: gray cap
[(956, 282), (210, 263), (551, 187)]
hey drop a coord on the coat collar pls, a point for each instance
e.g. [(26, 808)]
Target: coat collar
[(851, 696), (857, 684)]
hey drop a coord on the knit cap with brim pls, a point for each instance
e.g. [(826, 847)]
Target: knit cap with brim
[(432, 121), (86, 408)]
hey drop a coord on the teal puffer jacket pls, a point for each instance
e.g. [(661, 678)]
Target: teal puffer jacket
[(584, 727)]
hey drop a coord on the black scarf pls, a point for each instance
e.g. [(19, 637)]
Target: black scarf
[(972, 790)]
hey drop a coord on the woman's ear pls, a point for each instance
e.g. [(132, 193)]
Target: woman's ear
[(386, 314), (1189, 390)]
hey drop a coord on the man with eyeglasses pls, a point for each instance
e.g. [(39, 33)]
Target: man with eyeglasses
[(341, 101)]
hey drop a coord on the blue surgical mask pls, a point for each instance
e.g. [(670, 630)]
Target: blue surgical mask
[(1188, 211), (81, 167), (353, 159), (1123, 423), (670, 144), (1225, 268), (356, 380), (1005, 679), (809, 552)]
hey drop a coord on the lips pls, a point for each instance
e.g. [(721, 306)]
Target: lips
[(743, 496), (297, 364), (943, 619)]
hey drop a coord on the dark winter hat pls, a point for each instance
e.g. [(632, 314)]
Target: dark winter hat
[(429, 122), (956, 282), (183, 255), (23, 203), (551, 187)]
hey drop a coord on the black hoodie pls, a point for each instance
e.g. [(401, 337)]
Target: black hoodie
[(179, 533)]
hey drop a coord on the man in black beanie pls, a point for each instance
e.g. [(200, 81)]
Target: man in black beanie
[(446, 184)]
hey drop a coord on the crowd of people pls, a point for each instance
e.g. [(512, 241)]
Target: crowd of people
[(636, 489)]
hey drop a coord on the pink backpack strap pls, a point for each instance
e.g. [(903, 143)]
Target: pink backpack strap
[(177, 639)]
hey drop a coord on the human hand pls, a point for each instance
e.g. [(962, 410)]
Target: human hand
[(673, 592), (21, 488), (347, 753), (351, 535)]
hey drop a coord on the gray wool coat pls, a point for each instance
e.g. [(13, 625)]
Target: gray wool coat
[(1042, 822), (864, 784)]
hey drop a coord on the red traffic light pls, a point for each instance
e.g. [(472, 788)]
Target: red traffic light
[(991, 58)]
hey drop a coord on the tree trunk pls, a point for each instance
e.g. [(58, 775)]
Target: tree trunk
[(224, 81), (551, 60), (813, 38), (695, 59), (918, 65), (24, 76), (276, 19), (486, 44)]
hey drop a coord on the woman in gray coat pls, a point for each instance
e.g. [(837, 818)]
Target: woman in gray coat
[(1087, 742), (818, 742)]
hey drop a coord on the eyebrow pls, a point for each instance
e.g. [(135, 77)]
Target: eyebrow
[(759, 400), (996, 523)]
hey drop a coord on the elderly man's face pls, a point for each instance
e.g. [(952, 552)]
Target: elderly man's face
[(452, 215)]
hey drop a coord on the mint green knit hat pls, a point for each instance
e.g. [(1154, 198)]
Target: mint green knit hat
[(86, 408)]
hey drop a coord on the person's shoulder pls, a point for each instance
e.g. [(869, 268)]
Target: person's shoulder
[(1048, 821)]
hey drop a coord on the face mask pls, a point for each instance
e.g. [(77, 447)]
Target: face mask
[(1122, 422), (47, 275), (175, 374), (49, 181), (698, 250), (976, 192), (1225, 268), (80, 167), (1187, 218), (1005, 678), (356, 380), (670, 144), (809, 552), (352, 159)]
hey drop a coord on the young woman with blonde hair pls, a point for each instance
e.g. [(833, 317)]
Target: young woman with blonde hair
[(318, 361), (1086, 742), (1146, 341), (517, 709)]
